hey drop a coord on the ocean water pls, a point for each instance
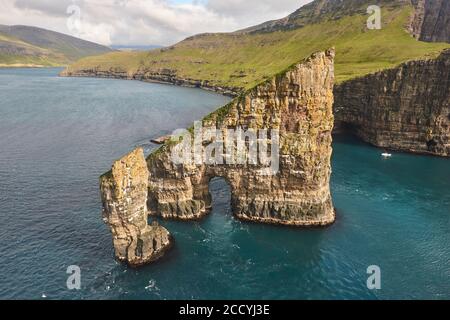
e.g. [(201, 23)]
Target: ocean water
[(57, 135)]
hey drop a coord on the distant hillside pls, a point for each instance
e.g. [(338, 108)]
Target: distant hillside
[(319, 11), (243, 58), (23, 45), (135, 48)]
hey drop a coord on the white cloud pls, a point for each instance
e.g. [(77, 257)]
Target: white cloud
[(143, 22)]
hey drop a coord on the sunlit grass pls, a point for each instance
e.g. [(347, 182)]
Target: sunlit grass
[(246, 59)]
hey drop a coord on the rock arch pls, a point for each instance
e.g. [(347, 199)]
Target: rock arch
[(297, 103)]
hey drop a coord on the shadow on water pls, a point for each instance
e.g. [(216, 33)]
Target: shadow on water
[(220, 191), (55, 143), (245, 247)]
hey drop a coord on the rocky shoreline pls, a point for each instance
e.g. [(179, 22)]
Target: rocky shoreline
[(405, 108), (296, 104), (423, 107), (164, 77)]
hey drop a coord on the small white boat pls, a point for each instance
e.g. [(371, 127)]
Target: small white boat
[(386, 155)]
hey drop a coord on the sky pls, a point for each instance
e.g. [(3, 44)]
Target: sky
[(143, 22)]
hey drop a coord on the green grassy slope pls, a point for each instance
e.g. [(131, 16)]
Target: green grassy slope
[(23, 45), (242, 59), (14, 51)]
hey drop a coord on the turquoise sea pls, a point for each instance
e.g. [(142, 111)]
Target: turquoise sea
[(57, 135)]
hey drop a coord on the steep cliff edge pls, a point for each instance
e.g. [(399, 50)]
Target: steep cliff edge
[(124, 193), (431, 20), (290, 114), (406, 108), (295, 105)]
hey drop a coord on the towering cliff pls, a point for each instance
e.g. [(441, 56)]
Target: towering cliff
[(431, 20), (293, 110), (124, 195), (296, 104), (405, 108)]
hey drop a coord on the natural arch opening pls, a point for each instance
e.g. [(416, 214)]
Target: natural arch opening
[(220, 191)]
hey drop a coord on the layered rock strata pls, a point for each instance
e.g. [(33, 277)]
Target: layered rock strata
[(431, 20), (298, 105), (294, 109), (406, 108), (124, 192)]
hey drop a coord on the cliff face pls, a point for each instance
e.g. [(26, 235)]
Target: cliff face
[(298, 105), (406, 108), (431, 21), (124, 193), (293, 189)]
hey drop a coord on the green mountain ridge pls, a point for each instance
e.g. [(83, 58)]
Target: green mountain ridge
[(243, 58), (319, 11), (31, 46)]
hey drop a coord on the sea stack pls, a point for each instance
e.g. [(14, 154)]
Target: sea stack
[(124, 193), (295, 106)]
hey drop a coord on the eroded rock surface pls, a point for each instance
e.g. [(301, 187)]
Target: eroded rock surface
[(406, 108), (298, 103), (431, 20), (124, 193)]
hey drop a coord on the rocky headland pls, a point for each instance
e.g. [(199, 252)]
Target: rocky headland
[(297, 104), (405, 108), (124, 192)]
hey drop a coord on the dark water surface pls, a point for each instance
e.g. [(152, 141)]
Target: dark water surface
[(57, 135)]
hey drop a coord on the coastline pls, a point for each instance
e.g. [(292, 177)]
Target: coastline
[(220, 244), (412, 70), (21, 65), (157, 78), (26, 65)]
